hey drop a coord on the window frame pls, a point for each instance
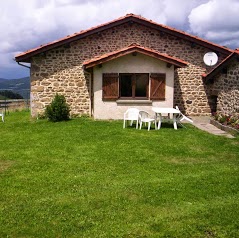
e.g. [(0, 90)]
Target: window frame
[(133, 85), (156, 87)]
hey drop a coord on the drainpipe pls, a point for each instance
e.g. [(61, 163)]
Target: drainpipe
[(24, 65), (90, 87), (30, 83)]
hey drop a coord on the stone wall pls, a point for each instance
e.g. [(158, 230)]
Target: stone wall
[(60, 70), (226, 87)]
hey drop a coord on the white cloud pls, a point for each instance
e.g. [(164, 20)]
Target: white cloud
[(7, 59), (28, 25), (176, 12), (217, 21), (25, 26)]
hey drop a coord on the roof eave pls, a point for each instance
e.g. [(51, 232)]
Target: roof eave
[(127, 51), (220, 67), (25, 57), (186, 36)]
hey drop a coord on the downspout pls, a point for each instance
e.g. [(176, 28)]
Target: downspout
[(30, 80), (90, 88), (92, 92)]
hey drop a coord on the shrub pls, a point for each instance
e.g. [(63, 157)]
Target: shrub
[(58, 110), (222, 119)]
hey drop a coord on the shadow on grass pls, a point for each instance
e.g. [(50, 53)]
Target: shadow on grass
[(163, 125)]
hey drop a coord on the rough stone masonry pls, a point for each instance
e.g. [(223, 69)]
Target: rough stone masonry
[(60, 70)]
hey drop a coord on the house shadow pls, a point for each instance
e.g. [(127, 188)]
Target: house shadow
[(178, 96)]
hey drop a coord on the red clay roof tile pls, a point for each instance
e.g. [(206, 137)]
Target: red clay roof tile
[(131, 49), (25, 56)]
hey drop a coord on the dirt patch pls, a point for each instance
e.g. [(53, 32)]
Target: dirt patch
[(186, 161), (235, 142), (5, 164)]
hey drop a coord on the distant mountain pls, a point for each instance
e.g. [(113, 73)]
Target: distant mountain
[(21, 86)]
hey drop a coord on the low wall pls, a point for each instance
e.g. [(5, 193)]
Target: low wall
[(224, 127), (14, 104)]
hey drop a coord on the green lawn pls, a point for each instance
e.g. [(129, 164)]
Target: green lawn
[(86, 178)]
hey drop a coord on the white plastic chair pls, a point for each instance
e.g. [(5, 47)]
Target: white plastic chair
[(180, 117), (132, 114), (144, 118), (2, 115)]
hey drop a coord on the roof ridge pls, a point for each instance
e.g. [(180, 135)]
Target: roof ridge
[(181, 32), (70, 36), (92, 29), (137, 48)]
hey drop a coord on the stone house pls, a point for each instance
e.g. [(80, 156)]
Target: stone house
[(223, 82), (132, 62)]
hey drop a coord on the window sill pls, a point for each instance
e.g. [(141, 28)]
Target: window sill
[(134, 102)]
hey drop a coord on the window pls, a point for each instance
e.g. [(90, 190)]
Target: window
[(133, 86)]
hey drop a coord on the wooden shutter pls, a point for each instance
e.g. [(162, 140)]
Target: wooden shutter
[(110, 87), (157, 88)]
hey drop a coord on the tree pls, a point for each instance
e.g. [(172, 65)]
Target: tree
[(7, 94)]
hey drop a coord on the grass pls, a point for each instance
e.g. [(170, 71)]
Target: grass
[(86, 178)]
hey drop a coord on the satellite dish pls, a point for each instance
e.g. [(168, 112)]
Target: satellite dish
[(210, 58)]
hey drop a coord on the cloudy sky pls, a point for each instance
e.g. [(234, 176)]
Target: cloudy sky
[(27, 24)]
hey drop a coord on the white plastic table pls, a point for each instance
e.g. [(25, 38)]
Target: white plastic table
[(168, 110)]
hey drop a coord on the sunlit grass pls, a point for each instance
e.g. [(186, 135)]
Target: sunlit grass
[(86, 178)]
